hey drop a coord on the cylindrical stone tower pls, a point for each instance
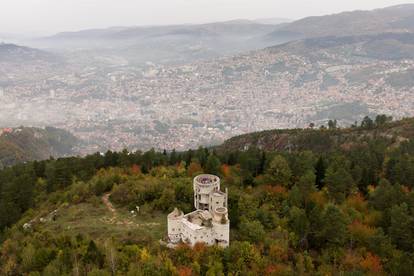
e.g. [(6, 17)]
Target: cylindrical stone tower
[(204, 185)]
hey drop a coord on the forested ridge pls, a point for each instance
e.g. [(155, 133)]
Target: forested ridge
[(346, 209), (316, 139)]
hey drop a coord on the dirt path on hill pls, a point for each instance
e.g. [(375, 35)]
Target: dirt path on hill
[(116, 220), (108, 204)]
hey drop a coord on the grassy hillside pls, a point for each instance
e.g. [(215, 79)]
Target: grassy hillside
[(25, 144)]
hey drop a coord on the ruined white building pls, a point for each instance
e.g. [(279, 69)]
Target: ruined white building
[(209, 223)]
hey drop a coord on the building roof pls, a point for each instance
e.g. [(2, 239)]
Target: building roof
[(200, 218), (175, 214), (191, 225)]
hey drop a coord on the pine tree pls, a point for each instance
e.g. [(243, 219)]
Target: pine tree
[(334, 226), (213, 165), (279, 171), (401, 229), (320, 173), (339, 183), (299, 223)]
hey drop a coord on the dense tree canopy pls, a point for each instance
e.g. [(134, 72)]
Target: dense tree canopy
[(347, 211)]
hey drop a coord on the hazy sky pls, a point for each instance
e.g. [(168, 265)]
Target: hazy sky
[(49, 16)]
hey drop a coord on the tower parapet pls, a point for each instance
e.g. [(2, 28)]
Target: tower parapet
[(204, 185)]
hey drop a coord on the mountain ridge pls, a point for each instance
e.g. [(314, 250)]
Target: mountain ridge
[(359, 22)]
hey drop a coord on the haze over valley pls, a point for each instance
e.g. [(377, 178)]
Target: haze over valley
[(182, 86)]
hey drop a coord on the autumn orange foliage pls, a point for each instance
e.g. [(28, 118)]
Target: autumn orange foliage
[(371, 263), (278, 252), (357, 201), (351, 260), (194, 168), (135, 169), (406, 189), (185, 271), (277, 269), (318, 198), (225, 169), (199, 247), (276, 190), (198, 250)]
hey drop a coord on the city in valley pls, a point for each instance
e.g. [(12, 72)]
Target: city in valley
[(193, 138), (186, 86), (203, 103)]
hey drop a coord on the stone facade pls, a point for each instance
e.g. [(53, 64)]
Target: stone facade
[(209, 223)]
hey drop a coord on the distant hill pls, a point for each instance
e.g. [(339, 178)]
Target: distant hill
[(17, 53), (25, 144), (173, 44), (384, 46), (234, 27), (179, 44), (273, 21), (320, 140), (392, 19)]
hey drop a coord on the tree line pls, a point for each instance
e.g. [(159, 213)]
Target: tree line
[(345, 210)]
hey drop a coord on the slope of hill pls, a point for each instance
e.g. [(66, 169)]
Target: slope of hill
[(178, 44), (254, 34), (292, 213), (25, 144), (273, 21), (233, 28), (392, 19), (384, 46), (16, 53), (163, 44), (321, 140)]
